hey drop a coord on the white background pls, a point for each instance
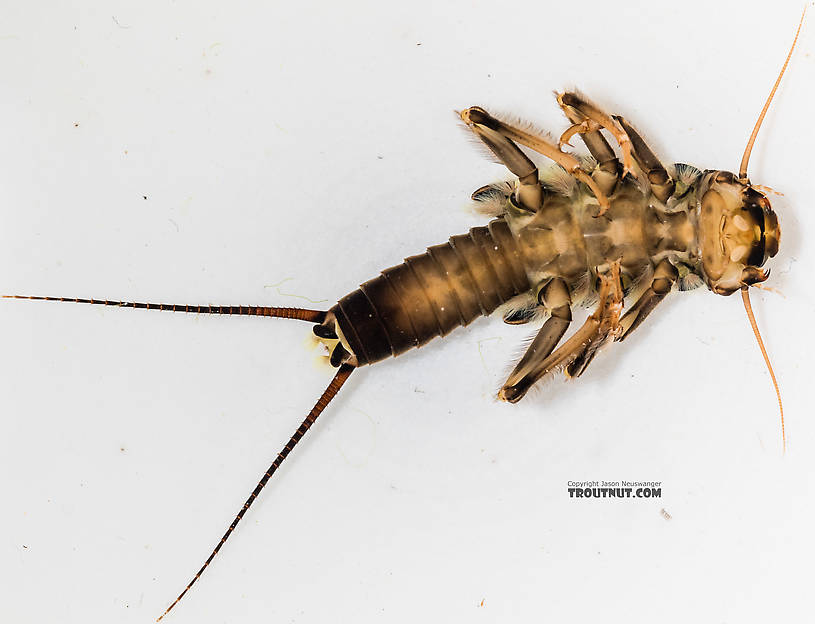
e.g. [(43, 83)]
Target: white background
[(266, 153)]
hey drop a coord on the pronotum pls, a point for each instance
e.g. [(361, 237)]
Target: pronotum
[(633, 119)]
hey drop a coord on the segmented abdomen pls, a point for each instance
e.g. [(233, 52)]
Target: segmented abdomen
[(431, 294)]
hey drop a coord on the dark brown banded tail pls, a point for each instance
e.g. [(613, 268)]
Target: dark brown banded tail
[(331, 391), (300, 314), (431, 294)]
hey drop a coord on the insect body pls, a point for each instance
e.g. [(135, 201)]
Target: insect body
[(618, 228), (564, 241)]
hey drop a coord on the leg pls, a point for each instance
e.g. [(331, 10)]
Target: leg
[(529, 194), (555, 296), (608, 169), (665, 276), (661, 183), (500, 138), (576, 353), (587, 121), (588, 118)]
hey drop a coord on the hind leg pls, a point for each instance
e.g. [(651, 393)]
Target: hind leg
[(577, 352), (500, 137), (556, 297), (528, 194)]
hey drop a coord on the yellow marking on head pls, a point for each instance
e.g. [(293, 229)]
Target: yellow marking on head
[(741, 223)]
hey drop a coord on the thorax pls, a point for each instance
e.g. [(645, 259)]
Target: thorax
[(565, 239)]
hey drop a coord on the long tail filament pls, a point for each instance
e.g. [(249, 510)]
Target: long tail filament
[(749, 148), (745, 296), (300, 314), (312, 316), (330, 392)]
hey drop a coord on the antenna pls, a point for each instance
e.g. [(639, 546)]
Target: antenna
[(746, 158)]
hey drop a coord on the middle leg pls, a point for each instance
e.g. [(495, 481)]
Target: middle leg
[(577, 352), (587, 120)]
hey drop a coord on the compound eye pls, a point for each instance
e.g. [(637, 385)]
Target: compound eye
[(754, 203), (772, 232), (756, 207), (757, 257)]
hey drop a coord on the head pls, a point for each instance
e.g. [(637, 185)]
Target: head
[(738, 232)]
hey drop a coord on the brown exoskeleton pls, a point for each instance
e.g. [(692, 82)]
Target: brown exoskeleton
[(622, 228)]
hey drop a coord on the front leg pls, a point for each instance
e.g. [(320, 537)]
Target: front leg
[(664, 278), (576, 353), (662, 185)]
